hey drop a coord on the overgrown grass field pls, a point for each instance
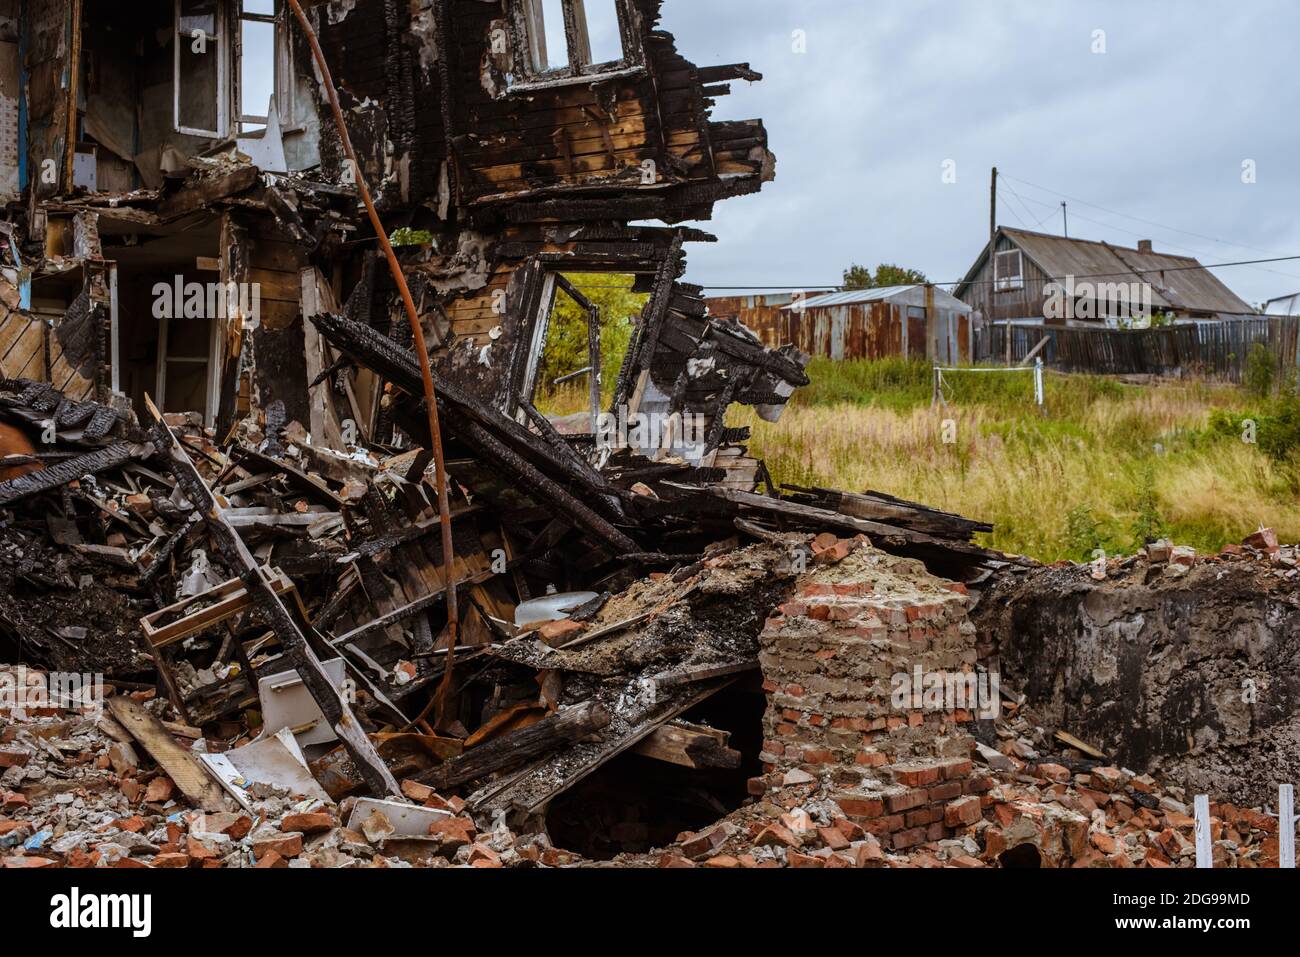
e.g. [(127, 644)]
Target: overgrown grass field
[(1106, 465)]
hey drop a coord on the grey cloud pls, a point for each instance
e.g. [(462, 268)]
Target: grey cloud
[(1156, 128)]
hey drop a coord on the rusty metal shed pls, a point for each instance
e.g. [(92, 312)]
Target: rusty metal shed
[(879, 323)]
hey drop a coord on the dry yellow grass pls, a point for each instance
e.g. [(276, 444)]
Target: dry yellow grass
[(1053, 486)]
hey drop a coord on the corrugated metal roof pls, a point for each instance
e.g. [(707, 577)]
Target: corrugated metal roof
[(757, 297), (1283, 306), (1193, 290), (1174, 285), (914, 295)]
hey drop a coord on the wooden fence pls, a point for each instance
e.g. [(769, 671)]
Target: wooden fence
[(1215, 349)]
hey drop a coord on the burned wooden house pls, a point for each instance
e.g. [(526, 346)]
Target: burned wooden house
[(264, 263), (162, 160)]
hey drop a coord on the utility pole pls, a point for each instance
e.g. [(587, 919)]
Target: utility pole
[(1065, 215), (993, 259)]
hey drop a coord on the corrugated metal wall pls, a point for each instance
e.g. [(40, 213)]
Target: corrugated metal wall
[(877, 330), (760, 314)]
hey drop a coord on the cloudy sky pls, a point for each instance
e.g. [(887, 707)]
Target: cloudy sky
[(1147, 139)]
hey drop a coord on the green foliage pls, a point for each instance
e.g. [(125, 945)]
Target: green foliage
[(406, 236), (1275, 427), (1058, 485), (1160, 319), (566, 337), (1149, 526), (887, 274), (1260, 371), (1083, 535), (897, 383)]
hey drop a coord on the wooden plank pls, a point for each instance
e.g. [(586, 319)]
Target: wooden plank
[(517, 747), (317, 297), (276, 286), (231, 598), (64, 472), (208, 192), (1204, 845), (689, 746), (1286, 826), (29, 344), (1071, 741), (401, 614), (181, 765), (14, 327), (557, 773)]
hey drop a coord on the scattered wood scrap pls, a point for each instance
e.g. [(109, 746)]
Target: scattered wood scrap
[(689, 745), (181, 765)]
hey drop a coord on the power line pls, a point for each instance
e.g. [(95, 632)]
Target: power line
[(1027, 210), (984, 282), (1097, 222), (1138, 219)]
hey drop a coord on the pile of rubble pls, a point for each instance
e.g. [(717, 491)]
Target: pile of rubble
[(86, 798), (80, 791), (265, 620), (1175, 561), (848, 777), (1027, 810)]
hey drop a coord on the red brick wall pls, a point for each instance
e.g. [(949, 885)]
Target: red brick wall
[(830, 657)]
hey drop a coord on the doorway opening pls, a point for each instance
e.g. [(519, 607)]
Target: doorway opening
[(170, 312)]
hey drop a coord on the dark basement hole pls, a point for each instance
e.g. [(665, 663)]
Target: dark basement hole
[(635, 803), (1022, 855), (9, 650)]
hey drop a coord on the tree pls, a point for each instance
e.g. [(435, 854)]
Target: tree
[(887, 274)]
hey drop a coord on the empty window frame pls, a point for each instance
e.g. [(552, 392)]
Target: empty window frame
[(1009, 272), (266, 69), (202, 69), (573, 38)]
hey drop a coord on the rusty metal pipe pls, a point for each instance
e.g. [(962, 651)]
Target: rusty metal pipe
[(421, 351)]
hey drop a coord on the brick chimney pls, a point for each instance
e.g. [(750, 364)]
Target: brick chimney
[(1144, 246)]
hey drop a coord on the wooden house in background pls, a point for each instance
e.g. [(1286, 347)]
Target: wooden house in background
[(1028, 263)]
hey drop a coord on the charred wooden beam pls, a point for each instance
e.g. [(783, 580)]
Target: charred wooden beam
[(513, 749), (538, 784), (207, 192), (877, 506), (730, 71), (689, 746), (407, 611), (61, 474), (756, 354), (480, 427), (643, 350), (532, 479)]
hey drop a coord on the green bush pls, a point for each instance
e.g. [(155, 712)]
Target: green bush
[(1083, 536), (1149, 526), (1260, 371), (566, 352)]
